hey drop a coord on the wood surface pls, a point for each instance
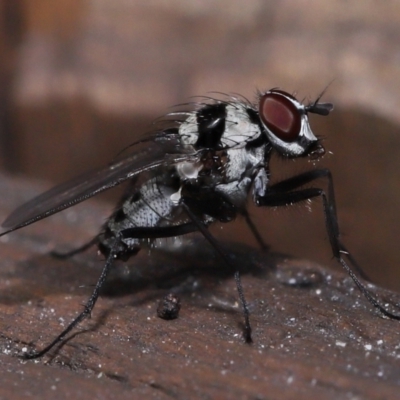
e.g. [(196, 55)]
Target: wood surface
[(315, 335)]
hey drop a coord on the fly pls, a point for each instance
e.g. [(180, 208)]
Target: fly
[(201, 170)]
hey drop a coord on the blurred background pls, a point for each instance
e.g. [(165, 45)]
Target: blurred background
[(80, 80)]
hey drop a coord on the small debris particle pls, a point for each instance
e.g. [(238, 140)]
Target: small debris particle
[(169, 307)]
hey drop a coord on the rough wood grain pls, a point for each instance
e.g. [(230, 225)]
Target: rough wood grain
[(315, 336)]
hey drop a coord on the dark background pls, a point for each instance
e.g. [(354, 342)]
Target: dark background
[(81, 80)]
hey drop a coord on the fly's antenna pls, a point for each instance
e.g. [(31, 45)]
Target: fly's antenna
[(320, 108)]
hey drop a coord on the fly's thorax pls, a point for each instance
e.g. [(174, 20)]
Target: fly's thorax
[(231, 136), (235, 191), (241, 162), (240, 127), (220, 126)]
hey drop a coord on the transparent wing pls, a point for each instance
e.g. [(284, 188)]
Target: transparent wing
[(146, 155)]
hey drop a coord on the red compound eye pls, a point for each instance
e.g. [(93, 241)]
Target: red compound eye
[(280, 115)]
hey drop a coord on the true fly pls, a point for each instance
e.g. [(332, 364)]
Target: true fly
[(198, 171)]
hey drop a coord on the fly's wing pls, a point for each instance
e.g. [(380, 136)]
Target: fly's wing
[(144, 156)]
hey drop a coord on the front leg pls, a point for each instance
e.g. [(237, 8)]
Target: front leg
[(284, 194), (289, 191)]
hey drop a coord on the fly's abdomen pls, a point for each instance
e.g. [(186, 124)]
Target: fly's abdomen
[(149, 207)]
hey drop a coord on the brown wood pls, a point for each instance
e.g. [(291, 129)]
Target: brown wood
[(314, 335)]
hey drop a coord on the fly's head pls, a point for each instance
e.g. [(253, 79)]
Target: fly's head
[(286, 124)]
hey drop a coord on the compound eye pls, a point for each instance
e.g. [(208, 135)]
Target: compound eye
[(280, 115)]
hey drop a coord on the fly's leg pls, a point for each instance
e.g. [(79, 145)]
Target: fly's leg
[(87, 308), (280, 189), (202, 228), (81, 249), (137, 233), (283, 194), (254, 231)]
